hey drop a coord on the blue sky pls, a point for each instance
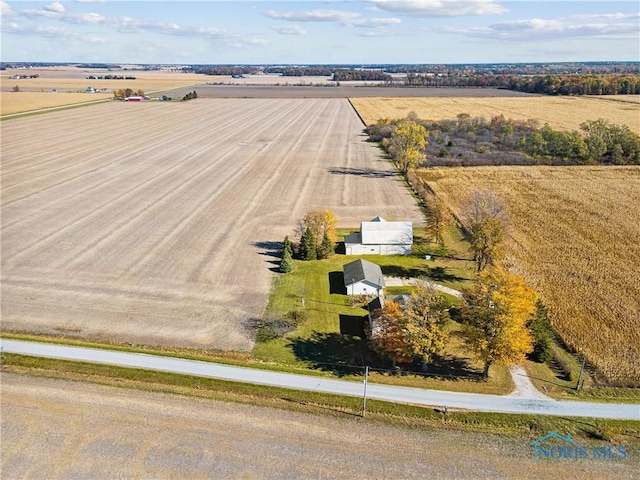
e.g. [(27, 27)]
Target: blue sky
[(305, 32)]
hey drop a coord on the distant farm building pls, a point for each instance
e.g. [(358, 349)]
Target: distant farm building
[(134, 98), (379, 237), (363, 278)]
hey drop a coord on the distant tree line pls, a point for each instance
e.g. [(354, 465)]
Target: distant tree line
[(110, 77), (301, 71), (468, 141), (608, 84), (226, 70), (361, 75)]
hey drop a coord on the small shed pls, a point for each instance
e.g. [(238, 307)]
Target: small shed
[(363, 278)]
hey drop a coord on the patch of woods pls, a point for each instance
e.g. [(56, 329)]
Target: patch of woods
[(123, 93), (477, 141), (603, 84), (190, 96)]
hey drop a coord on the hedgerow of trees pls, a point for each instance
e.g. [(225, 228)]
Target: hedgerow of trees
[(474, 141), (606, 84)]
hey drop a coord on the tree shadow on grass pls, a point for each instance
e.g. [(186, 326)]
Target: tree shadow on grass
[(336, 283), (353, 325), (449, 366), (438, 274), (334, 352)]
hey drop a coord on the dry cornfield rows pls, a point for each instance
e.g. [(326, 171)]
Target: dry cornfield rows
[(156, 222), (562, 113), (575, 234)]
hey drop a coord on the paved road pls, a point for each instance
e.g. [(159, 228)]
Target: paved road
[(417, 396)]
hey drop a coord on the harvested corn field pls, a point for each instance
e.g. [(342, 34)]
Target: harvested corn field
[(160, 223), (575, 237), (562, 113)]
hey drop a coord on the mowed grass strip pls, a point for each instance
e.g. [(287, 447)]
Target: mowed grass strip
[(574, 236), (522, 426), (562, 113)]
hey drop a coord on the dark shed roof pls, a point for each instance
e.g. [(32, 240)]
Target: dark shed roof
[(360, 270)]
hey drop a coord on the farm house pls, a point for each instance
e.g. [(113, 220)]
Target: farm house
[(363, 278), (379, 237)]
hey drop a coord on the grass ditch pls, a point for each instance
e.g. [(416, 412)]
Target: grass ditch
[(523, 426)]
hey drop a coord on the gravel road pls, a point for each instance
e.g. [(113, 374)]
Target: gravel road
[(469, 401)]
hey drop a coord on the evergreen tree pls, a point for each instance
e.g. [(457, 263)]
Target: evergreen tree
[(542, 335), (308, 247), (287, 246), (326, 247), (285, 264)]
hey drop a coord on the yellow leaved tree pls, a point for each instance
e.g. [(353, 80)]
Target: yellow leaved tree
[(495, 318)]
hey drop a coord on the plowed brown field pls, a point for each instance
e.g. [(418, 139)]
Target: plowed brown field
[(60, 429), (156, 222)]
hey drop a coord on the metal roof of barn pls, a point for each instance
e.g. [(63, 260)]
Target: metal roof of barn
[(381, 232)]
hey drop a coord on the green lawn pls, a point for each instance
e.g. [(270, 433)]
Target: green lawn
[(330, 338)]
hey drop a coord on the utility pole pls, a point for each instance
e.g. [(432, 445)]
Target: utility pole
[(581, 370), (364, 396)]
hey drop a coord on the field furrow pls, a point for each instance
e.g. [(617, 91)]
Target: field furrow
[(154, 223)]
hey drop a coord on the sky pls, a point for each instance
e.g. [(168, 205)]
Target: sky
[(320, 32)]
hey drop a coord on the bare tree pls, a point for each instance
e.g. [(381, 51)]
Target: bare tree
[(485, 218)]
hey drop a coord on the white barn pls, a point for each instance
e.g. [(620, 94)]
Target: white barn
[(363, 278), (379, 237)]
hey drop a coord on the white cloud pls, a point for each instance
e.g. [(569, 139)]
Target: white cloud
[(606, 16), (56, 7), (347, 19), (314, 16), (440, 8), (289, 29), (538, 29), (375, 22), (5, 11)]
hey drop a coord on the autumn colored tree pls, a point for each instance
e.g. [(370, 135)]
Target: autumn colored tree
[(415, 332), (485, 218), (320, 222), (408, 140), (495, 317), (426, 317), (439, 218), (388, 335)]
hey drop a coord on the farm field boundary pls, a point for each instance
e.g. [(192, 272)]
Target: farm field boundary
[(159, 223), (562, 113)]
